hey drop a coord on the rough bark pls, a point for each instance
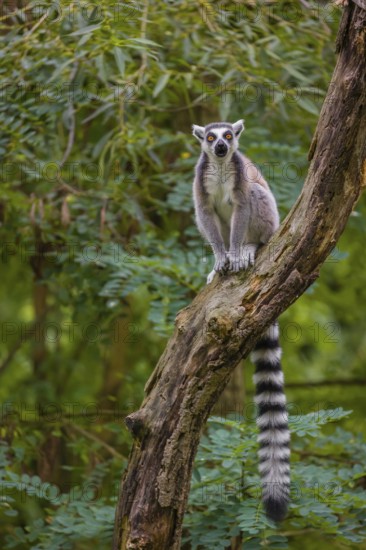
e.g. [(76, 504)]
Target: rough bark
[(227, 317)]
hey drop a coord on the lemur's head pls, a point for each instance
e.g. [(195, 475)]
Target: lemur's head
[(219, 139)]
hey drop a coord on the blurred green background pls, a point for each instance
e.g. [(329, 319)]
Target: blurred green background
[(100, 251)]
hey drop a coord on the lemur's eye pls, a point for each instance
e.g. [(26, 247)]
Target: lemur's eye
[(229, 136), (210, 138)]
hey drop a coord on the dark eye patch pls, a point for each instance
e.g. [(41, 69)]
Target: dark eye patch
[(211, 137)]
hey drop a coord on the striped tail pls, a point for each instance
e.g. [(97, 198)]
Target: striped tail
[(272, 421)]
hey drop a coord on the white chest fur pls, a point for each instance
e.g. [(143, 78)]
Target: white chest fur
[(219, 184)]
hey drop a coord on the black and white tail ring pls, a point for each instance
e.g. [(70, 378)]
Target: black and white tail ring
[(272, 421)]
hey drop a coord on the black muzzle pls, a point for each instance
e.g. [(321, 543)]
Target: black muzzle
[(221, 148)]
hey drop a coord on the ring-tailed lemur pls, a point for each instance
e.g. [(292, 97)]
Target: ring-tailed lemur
[(236, 212)]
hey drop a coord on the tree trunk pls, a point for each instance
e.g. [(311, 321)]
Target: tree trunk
[(227, 317)]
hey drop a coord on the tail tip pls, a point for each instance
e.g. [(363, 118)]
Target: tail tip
[(276, 509)]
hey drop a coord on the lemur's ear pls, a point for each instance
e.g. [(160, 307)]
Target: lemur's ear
[(198, 132), (238, 127)]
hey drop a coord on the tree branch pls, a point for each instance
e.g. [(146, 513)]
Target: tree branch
[(227, 317), (95, 438)]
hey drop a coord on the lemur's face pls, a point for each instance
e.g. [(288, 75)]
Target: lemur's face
[(219, 139)]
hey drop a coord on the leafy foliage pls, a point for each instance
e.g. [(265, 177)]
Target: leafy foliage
[(328, 492), (327, 495)]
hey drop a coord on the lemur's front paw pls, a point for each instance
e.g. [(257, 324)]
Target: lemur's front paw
[(243, 259), (220, 263), (219, 267)]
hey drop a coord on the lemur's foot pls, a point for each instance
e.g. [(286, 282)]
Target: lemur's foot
[(243, 259)]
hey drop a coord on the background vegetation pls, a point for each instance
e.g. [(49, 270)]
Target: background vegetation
[(99, 252)]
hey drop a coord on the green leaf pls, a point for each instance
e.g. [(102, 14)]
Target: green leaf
[(85, 30), (308, 106), (120, 59), (161, 83)]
